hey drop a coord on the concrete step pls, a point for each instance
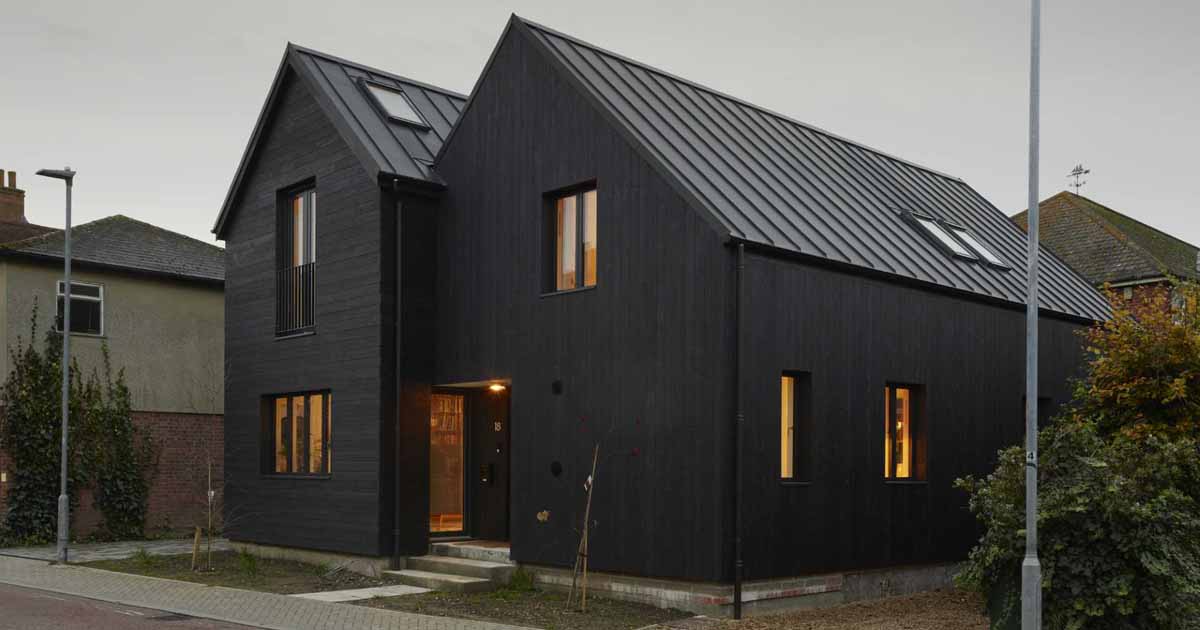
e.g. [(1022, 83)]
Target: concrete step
[(498, 572), (472, 551), (442, 581)]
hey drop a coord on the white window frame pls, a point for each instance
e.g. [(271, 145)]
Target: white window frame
[(943, 235), (974, 243), (60, 287)]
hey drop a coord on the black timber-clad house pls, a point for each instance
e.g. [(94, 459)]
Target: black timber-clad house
[(591, 250)]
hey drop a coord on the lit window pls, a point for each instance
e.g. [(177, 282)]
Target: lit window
[(297, 257), (795, 426), (979, 247), (936, 230), (904, 434), (395, 104), (573, 238), (298, 426), (87, 308)]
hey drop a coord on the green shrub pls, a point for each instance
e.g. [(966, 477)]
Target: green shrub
[(521, 580), (1118, 526), (247, 563)]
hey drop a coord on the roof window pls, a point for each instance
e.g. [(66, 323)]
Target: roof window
[(943, 236), (972, 242), (394, 103)]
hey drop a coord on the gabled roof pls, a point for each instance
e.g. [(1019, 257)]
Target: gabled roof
[(18, 230), (383, 145), (1104, 245), (121, 243), (769, 180)]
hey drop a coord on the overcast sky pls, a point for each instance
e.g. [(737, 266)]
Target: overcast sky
[(152, 102)]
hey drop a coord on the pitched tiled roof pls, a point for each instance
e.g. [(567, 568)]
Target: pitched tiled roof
[(15, 231), (768, 179), (383, 145), (1104, 245), (119, 242)]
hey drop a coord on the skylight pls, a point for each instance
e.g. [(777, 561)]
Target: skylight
[(974, 244), (936, 230), (395, 103)]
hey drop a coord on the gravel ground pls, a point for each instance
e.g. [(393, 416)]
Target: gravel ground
[(939, 610)]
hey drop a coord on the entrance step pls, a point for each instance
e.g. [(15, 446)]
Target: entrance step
[(442, 581), (498, 572), (473, 550)]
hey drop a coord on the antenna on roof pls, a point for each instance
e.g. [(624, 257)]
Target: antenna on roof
[(1077, 174)]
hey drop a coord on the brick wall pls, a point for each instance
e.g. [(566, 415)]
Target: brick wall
[(185, 443)]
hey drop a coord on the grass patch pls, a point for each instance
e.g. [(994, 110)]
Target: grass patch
[(521, 604), (244, 570)]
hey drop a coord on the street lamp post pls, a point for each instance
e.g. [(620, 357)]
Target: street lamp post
[(64, 507), (1031, 568)]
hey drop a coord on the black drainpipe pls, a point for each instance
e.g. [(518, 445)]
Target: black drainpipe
[(396, 560), (739, 423)]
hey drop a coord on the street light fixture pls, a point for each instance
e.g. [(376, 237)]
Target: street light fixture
[(64, 507)]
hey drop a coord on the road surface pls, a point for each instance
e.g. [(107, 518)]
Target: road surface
[(29, 609)]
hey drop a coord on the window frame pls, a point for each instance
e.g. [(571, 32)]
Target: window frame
[(984, 253), (267, 434), (918, 430), (297, 306), (368, 86), (926, 224), (60, 286), (802, 426), (550, 235)]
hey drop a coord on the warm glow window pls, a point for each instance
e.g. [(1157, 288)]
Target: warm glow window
[(572, 237), (795, 426), (296, 262), (904, 450), (87, 308), (447, 462), (297, 434)]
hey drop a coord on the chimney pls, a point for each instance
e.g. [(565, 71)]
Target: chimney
[(12, 199)]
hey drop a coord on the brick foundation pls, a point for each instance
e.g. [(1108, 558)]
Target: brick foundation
[(184, 444)]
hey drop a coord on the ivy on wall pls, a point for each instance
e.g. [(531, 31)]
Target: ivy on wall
[(105, 452)]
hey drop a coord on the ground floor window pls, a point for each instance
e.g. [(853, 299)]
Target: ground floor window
[(904, 451), (795, 426), (446, 463), (297, 434)]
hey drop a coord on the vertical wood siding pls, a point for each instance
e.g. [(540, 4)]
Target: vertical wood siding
[(340, 513)]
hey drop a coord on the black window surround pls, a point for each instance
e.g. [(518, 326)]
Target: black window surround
[(270, 466), (801, 434), (296, 261), (577, 192), (87, 308), (369, 88), (960, 247), (918, 463)]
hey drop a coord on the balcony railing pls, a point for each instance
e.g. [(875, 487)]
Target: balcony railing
[(294, 299)]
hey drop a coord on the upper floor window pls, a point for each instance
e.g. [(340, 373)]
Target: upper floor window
[(297, 258), (296, 434), (904, 444), (957, 240), (87, 308), (571, 236)]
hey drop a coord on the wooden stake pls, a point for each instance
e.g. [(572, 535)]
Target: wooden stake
[(582, 554)]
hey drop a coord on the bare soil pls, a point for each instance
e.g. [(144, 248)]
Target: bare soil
[(938, 610)]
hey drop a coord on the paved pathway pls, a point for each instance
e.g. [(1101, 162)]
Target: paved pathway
[(30, 609), (354, 594), (91, 552), (263, 610)]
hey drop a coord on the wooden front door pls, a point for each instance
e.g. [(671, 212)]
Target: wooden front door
[(488, 475)]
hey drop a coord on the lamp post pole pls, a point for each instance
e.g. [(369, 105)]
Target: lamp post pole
[(1031, 568), (64, 506)]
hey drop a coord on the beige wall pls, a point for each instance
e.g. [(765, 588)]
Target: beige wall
[(169, 336)]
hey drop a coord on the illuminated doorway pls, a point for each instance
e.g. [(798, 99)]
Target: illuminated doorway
[(446, 463)]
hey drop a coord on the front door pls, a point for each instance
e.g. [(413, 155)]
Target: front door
[(489, 472)]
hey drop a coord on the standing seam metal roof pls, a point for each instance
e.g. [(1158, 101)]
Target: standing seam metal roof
[(774, 181)]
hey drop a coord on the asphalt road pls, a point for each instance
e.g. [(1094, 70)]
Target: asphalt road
[(29, 609)]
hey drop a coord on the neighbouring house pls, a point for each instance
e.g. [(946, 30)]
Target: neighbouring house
[(155, 298), (786, 344), (1112, 249)]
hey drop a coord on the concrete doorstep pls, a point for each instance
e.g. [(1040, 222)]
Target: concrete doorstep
[(250, 608)]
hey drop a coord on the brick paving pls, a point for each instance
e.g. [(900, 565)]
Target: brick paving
[(262, 610)]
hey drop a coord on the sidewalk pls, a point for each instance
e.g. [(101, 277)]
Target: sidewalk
[(263, 610), (91, 552)]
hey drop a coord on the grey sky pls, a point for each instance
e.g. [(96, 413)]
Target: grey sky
[(152, 102)]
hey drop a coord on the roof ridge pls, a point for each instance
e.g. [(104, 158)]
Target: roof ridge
[(1131, 218), (153, 226), (1106, 225), (365, 67), (728, 97)]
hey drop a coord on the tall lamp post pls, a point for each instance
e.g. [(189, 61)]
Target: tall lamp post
[(64, 506), (1031, 567)]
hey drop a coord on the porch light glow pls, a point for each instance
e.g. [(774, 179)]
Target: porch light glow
[(496, 387)]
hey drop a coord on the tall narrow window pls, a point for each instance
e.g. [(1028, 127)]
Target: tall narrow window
[(296, 434), (573, 237), (904, 450), (87, 308), (297, 257), (795, 426)]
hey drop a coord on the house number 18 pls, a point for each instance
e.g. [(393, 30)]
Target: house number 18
[(498, 426)]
